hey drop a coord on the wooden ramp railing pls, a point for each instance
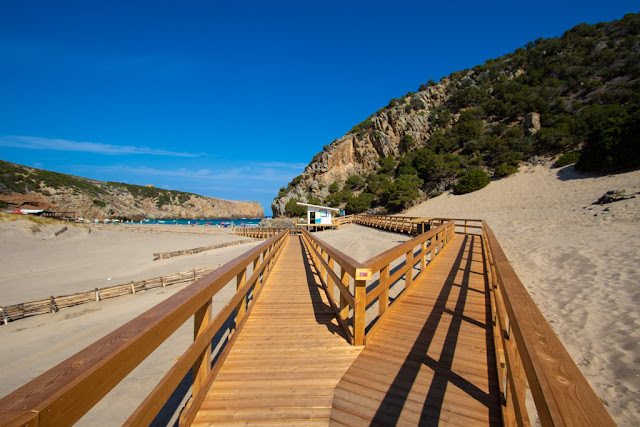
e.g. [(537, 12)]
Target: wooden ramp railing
[(63, 394), (430, 359), (367, 299)]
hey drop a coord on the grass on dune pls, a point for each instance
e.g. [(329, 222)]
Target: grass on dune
[(7, 217)]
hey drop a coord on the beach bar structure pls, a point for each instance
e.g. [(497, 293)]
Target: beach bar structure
[(319, 214), (437, 330)]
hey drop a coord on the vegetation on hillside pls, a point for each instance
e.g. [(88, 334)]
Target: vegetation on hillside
[(585, 87), (16, 178)]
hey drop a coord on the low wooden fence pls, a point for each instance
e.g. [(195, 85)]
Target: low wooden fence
[(52, 304), (351, 279), (66, 392), (413, 225), (165, 255), (155, 230), (257, 232)]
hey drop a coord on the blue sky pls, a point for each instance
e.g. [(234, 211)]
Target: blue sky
[(233, 99)]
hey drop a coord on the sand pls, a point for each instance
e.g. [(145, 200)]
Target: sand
[(37, 264), (580, 268)]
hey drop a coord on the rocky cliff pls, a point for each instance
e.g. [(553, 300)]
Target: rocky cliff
[(22, 187), (358, 152), (578, 94)]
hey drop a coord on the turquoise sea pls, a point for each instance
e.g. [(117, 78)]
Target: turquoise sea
[(222, 222)]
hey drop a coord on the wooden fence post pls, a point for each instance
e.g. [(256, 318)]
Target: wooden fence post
[(359, 311), (5, 320), (329, 278), (383, 300), (242, 305), (344, 305), (133, 288), (423, 256), (97, 295), (52, 305), (408, 278), (202, 365), (323, 270)]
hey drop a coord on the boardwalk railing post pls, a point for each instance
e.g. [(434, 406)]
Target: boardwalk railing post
[(202, 365), (344, 305), (359, 311), (383, 300), (409, 275), (329, 278), (242, 305)]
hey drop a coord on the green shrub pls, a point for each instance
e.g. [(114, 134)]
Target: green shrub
[(473, 180), (3, 204), (295, 181), (360, 203), (402, 192), (567, 159), (377, 184), (334, 187), (293, 210), (505, 170), (354, 182), (407, 141), (282, 192), (387, 164), (615, 144), (99, 203)]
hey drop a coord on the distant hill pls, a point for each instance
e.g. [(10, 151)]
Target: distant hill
[(31, 188), (576, 95)]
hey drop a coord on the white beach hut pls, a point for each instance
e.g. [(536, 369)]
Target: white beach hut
[(319, 215)]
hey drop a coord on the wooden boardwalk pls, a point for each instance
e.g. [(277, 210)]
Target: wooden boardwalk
[(289, 356), (431, 359)]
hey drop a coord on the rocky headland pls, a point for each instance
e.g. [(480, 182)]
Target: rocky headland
[(23, 187)]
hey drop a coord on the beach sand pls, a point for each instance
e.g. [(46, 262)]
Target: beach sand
[(581, 269)]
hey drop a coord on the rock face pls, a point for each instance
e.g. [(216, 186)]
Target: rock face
[(22, 187), (358, 152), (531, 123)]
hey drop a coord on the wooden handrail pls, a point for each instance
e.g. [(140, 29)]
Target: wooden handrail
[(430, 243), (528, 352), (63, 394), (532, 353), (351, 268), (328, 277), (258, 232), (410, 224)]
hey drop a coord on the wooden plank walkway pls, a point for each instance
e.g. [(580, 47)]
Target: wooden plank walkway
[(289, 356), (431, 361)]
